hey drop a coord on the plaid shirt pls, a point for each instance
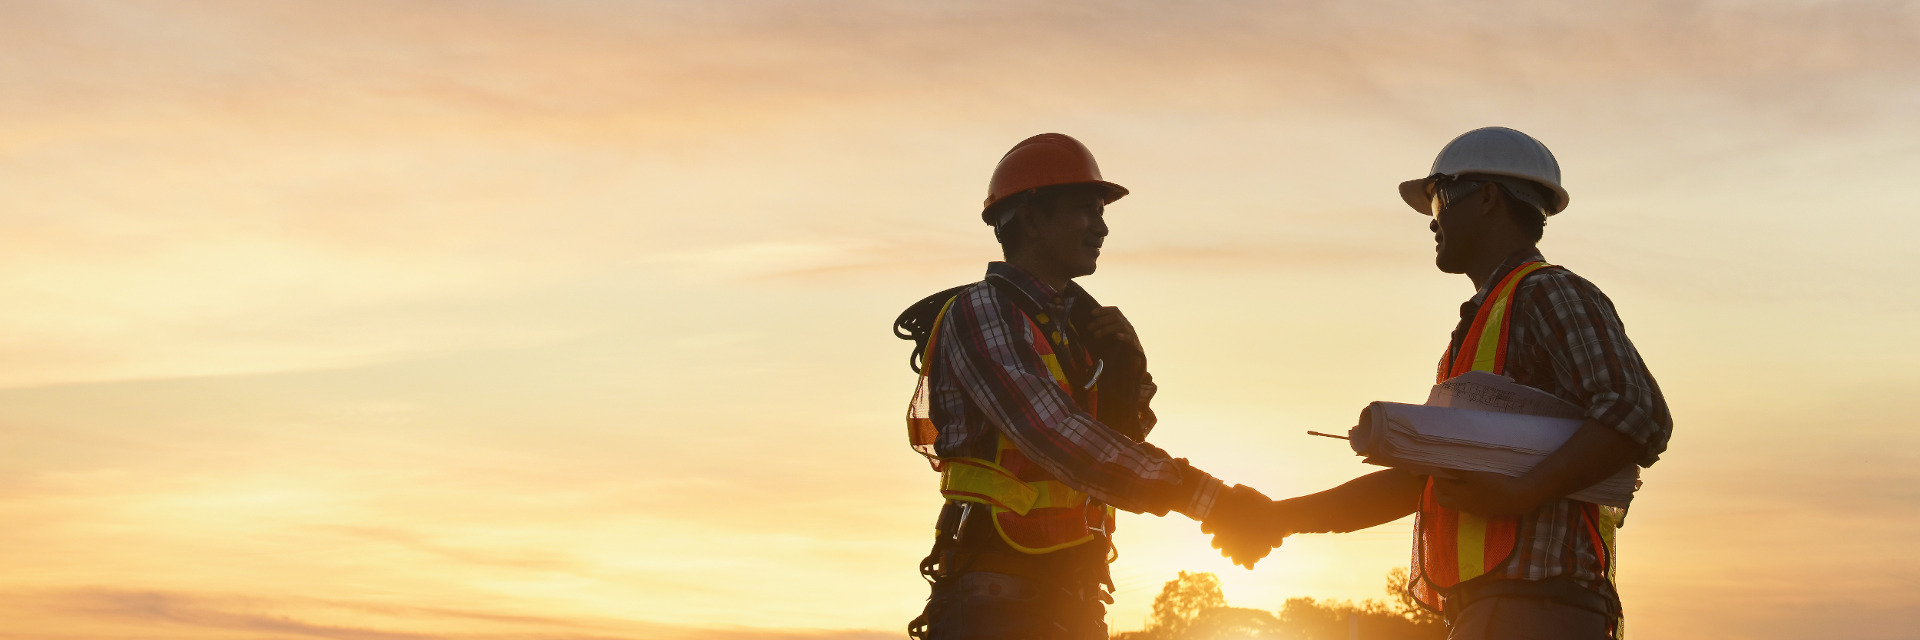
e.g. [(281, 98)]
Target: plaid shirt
[(1566, 339), (987, 380)]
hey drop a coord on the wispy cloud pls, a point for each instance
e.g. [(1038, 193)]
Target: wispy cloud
[(162, 614), (230, 187)]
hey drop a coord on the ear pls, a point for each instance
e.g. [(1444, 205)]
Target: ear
[(1496, 205), (1017, 225)]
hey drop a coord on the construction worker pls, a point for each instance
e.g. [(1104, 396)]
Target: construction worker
[(1501, 556), (1033, 406)]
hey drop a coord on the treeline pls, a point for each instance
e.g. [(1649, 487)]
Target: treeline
[(1192, 607)]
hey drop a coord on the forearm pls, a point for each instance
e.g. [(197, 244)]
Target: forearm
[(1367, 501), (1012, 386), (1046, 426), (1594, 453), (1132, 476)]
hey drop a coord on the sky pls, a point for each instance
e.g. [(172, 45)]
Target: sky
[(384, 320)]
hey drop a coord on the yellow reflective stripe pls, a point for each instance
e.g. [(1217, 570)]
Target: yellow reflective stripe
[(1054, 493), (976, 480), (1047, 493), (1486, 354), (1472, 545), (1609, 524)]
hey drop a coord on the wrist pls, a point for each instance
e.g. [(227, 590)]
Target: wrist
[(1298, 515), (1206, 493)]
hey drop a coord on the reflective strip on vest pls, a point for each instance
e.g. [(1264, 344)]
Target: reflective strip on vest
[(1453, 546), (976, 480)]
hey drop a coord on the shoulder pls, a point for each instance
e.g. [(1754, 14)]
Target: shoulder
[(981, 297), (982, 304), (1560, 283), (1558, 291)]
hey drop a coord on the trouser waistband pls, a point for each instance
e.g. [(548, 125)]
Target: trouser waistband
[(1561, 590)]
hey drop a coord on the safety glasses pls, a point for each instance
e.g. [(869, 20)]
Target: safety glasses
[(1446, 192)]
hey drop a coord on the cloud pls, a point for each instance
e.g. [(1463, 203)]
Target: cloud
[(607, 62), (167, 614), (236, 187)]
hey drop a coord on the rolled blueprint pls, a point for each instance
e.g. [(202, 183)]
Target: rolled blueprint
[(1431, 439)]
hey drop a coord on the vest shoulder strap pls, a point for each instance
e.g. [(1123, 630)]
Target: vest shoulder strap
[(1484, 348)]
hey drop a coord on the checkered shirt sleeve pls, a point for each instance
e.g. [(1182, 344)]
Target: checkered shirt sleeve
[(986, 361), (1580, 334)]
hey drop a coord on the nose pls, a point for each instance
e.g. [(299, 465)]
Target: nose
[(1434, 225), (1099, 227)]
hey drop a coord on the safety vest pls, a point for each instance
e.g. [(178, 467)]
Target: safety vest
[(1033, 511), (1450, 546)]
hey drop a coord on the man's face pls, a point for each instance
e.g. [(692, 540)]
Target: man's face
[(1069, 236), (1457, 226)]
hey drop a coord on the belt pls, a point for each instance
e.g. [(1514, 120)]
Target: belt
[(1561, 590), (978, 547), (1060, 568)]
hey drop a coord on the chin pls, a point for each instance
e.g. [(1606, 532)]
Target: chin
[(1087, 264)]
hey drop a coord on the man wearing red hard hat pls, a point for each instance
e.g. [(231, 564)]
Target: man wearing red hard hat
[(1511, 556), (1033, 406)]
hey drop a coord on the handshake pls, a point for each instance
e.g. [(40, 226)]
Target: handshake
[(1246, 525)]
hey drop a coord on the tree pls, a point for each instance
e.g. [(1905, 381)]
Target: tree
[(1193, 607), (1233, 623), (1406, 606), (1180, 602)]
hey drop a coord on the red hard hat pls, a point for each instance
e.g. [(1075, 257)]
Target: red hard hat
[(1046, 160)]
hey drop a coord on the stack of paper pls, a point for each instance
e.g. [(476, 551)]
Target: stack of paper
[(1480, 422)]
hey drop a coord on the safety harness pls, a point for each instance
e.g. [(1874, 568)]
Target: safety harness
[(1007, 514)]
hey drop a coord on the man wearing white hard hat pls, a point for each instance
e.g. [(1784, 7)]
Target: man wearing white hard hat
[(1502, 556)]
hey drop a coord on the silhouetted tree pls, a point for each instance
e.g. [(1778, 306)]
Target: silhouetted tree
[(1179, 603), (1233, 623), (1406, 606), (1193, 607)]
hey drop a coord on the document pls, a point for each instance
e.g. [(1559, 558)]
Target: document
[(1480, 422)]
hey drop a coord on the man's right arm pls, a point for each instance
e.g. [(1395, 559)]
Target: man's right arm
[(986, 345), (1367, 501)]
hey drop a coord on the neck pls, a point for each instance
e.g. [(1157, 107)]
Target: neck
[(1481, 270), (1044, 271)]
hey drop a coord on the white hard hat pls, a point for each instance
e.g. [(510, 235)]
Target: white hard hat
[(1496, 152)]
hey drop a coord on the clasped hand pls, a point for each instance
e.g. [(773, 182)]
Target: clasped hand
[(1246, 525)]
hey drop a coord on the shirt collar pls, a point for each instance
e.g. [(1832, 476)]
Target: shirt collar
[(1042, 294), (1507, 266)]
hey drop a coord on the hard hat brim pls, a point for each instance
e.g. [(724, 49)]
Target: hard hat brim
[(1114, 192), (1416, 194)]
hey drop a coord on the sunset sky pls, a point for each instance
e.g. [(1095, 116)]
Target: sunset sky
[(389, 320)]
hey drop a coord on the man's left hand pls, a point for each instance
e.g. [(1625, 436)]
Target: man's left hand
[(1108, 322), (1486, 494)]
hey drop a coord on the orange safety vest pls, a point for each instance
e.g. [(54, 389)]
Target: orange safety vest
[(1033, 511), (1450, 546)]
